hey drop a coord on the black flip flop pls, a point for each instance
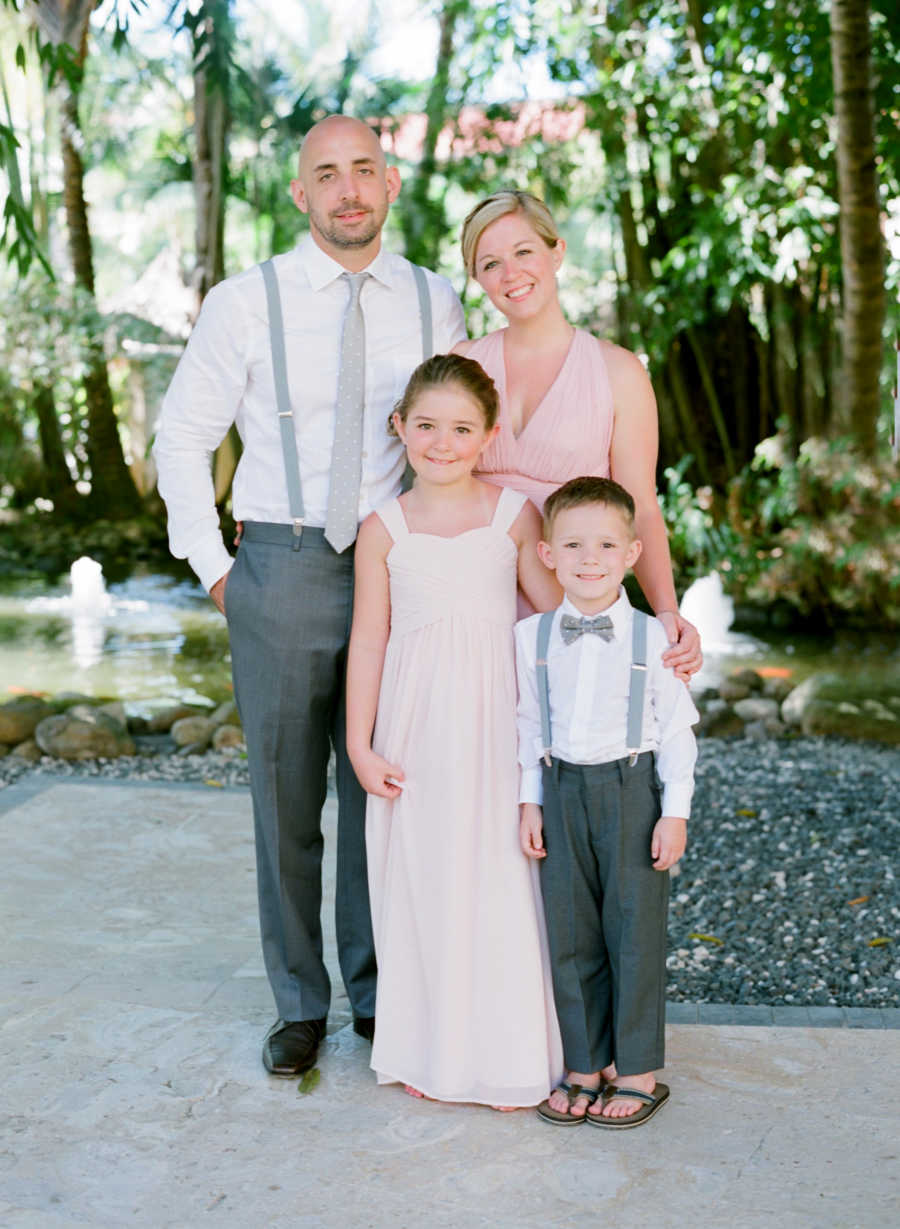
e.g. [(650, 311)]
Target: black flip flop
[(573, 1091), (652, 1102)]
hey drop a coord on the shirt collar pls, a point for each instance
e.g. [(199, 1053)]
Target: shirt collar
[(619, 612), (322, 269)]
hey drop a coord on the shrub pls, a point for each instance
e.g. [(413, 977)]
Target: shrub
[(818, 531)]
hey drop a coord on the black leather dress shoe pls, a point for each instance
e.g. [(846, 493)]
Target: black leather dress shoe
[(364, 1026), (290, 1048)]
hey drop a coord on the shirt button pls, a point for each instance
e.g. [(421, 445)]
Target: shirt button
[(364, 454)]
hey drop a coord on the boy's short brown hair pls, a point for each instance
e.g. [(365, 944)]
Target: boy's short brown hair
[(587, 490)]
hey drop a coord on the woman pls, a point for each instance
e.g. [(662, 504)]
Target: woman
[(570, 403)]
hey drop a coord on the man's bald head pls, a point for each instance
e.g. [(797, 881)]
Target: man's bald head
[(337, 128), (346, 187)]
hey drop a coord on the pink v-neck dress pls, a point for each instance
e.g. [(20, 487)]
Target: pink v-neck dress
[(464, 1007), (569, 433)]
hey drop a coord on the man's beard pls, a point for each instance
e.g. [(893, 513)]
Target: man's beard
[(329, 227)]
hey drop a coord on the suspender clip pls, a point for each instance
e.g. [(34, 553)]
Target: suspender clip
[(547, 759), (632, 757), (285, 413), (636, 665), (298, 532)]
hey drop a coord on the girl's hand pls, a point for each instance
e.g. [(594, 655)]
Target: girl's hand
[(668, 842), (376, 775), (531, 830), (684, 656)]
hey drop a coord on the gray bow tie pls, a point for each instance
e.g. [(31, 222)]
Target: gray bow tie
[(572, 628)]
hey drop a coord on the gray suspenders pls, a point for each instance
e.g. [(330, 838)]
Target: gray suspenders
[(283, 397), (283, 400), (635, 692), (424, 311)]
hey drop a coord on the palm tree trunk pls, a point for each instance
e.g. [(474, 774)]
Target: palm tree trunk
[(112, 489), (862, 244), (423, 218), (211, 122)]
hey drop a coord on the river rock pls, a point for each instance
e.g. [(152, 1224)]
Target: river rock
[(86, 736), (749, 677), (823, 704), (756, 708), (28, 750), (733, 689), (162, 722), (112, 708), (225, 714), (720, 722), (66, 699), (192, 732), (795, 704), (115, 708), (227, 736), (848, 720), (19, 718), (777, 688)]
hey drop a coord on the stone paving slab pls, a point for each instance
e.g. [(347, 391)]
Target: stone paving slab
[(132, 1007)]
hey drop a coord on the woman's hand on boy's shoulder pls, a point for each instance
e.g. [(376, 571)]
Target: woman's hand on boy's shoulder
[(684, 654)]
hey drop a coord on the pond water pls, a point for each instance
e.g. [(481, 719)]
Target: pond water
[(153, 639), (148, 640)]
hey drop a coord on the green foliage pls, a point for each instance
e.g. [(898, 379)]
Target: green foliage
[(45, 337), (818, 532), (699, 539)]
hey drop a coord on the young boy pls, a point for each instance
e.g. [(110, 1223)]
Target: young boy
[(616, 726)]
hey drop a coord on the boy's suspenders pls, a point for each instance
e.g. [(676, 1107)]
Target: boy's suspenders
[(543, 682), (283, 397), (636, 688)]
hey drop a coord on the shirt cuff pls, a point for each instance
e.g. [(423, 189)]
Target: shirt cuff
[(531, 785), (676, 799), (211, 562)]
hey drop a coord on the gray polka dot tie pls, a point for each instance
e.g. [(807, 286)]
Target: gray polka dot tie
[(342, 517)]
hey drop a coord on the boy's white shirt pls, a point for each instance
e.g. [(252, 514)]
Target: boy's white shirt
[(589, 686)]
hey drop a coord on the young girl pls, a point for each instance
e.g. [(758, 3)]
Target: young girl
[(464, 1010)]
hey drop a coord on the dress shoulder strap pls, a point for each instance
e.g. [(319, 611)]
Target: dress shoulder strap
[(509, 505), (391, 516)]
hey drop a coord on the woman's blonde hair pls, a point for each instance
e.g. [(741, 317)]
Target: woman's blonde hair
[(498, 206)]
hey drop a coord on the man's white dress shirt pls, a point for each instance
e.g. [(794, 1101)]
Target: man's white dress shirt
[(225, 376), (589, 687)]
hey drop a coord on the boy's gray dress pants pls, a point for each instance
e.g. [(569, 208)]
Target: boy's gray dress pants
[(606, 910), (289, 617)]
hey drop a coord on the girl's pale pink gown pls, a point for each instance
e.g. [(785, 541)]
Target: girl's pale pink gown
[(465, 1006), (570, 432)]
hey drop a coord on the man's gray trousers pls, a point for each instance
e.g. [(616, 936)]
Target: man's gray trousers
[(289, 613)]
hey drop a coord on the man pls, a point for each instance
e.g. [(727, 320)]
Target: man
[(353, 331)]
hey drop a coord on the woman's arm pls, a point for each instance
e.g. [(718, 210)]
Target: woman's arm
[(536, 580), (365, 658), (632, 463)]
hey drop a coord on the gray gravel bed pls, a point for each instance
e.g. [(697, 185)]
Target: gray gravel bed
[(790, 874), (787, 891)]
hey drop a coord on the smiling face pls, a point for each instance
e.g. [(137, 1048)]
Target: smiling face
[(516, 268), (346, 188), (591, 548), (445, 433)]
